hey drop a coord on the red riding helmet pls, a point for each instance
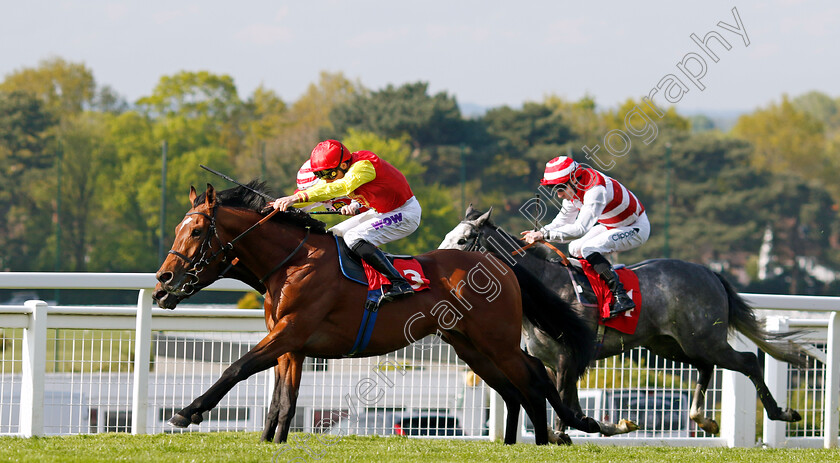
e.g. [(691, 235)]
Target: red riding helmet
[(328, 154), (559, 170)]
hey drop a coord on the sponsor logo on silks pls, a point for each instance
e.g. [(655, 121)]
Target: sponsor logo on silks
[(622, 235), (392, 220), (337, 205)]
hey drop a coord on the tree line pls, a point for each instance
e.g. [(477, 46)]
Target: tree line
[(711, 194)]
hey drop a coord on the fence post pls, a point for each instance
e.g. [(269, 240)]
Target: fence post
[(831, 420), (737, 408), (496, 424), (34, 357), (775, 375), (142, 350)]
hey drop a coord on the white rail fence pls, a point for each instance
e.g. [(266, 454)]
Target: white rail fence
[(71, 370)]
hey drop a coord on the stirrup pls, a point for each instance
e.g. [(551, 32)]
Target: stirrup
[(614, 312), (398, 290)]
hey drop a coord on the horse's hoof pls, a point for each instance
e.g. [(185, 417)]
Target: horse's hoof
[(791, 415), (561, 438), (179, 421), (197, 418), (710, 426), (627, 426)]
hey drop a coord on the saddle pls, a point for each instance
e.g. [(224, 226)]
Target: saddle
[(583, 287), (592, 293), (355, 270), (351, 264)]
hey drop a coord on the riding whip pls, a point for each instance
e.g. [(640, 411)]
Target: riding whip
[(240, 184)]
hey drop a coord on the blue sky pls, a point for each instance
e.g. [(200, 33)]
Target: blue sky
[(487, 53)]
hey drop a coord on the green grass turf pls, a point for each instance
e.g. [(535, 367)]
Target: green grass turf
[(245, 447)]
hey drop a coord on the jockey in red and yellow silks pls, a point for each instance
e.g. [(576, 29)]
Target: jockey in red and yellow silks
[(306, 179), (598, 216), (370, 181)]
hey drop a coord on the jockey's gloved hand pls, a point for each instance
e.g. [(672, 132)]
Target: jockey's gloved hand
[(531, 236), (350, 209)]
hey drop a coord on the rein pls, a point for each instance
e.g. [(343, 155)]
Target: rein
[(563, 257), (198, 263), (476, 245)]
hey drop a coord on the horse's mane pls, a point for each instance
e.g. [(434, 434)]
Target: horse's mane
[(246, 199)]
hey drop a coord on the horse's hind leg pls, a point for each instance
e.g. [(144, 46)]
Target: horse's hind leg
[(282, 409), (697, 412), (747, 363), (271, 416), (485, 369)]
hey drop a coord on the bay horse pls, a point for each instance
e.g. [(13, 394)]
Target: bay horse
[(310, 305), (687, 312)]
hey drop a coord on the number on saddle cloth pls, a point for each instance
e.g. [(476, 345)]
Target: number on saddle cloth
[(353, 269)]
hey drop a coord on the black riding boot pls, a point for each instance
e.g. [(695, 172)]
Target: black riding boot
[(376, 259), (621, 301)]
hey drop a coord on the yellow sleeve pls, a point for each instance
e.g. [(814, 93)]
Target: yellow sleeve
[(357, 175)]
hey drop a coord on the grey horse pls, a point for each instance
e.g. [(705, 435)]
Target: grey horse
[(687, 312)]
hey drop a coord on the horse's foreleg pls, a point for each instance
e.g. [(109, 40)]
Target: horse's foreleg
[(484, 368), (533, 382), (280, 413), (263, 356), (539, 379)]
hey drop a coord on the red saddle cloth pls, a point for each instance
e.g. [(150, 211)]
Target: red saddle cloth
[(410, 269), (625, 322)]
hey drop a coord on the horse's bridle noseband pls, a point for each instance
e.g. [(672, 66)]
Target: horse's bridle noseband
[(199, 262)]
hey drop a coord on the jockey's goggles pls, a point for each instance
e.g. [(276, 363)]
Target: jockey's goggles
[(328, 174), (331, 174)]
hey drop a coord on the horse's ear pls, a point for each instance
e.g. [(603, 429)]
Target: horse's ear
[(193, 195), (210, 196), (470, 210), (483, 218)]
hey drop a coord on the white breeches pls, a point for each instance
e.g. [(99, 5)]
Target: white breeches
[(606, 240), (380, 228)]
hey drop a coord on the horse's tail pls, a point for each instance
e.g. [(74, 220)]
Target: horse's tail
[(550, 313), (742, 318)]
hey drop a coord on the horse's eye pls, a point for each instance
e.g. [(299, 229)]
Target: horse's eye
[(196, 233), (462, 241)]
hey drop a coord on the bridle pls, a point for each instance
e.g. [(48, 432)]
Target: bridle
[(476, 241), (200, 261)]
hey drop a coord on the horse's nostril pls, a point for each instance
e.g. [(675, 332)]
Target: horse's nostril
[(159, 295), (164, 277)]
